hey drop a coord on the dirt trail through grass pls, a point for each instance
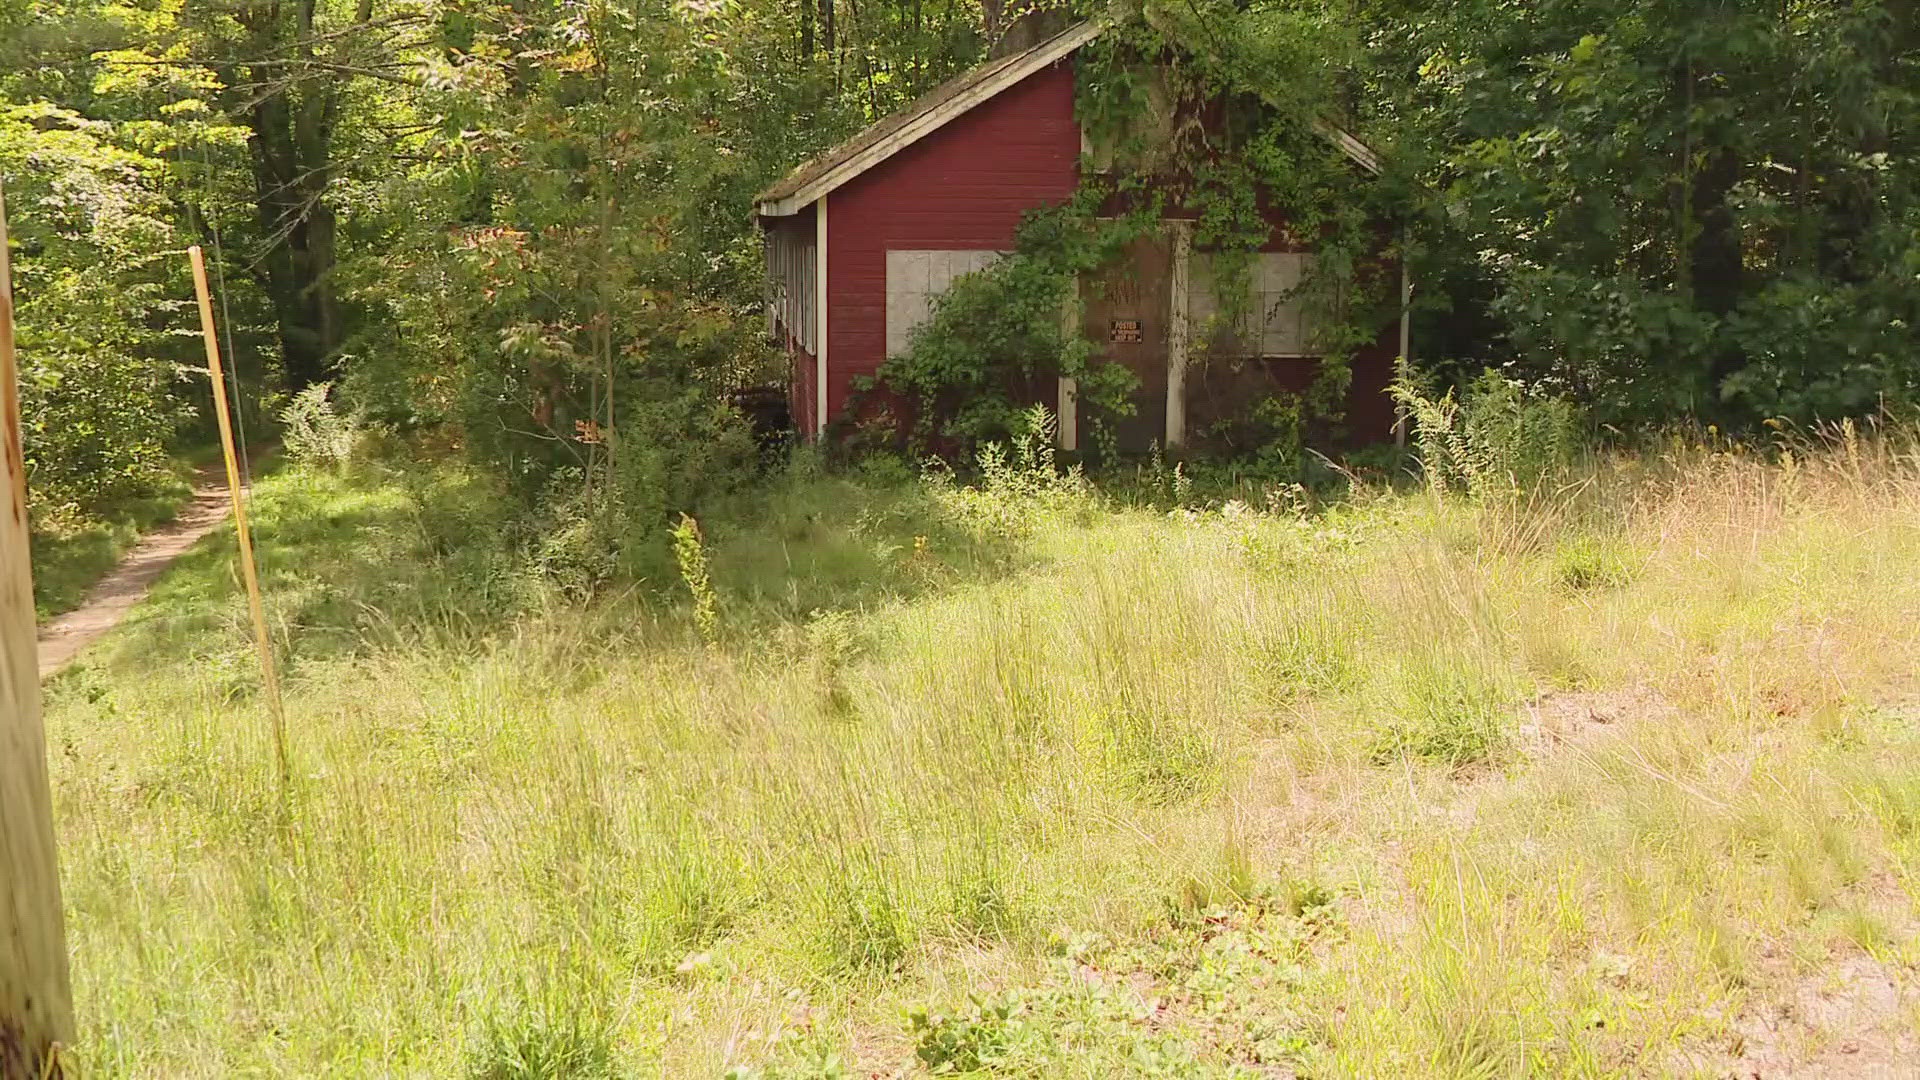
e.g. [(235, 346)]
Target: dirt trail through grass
[(62, 639)]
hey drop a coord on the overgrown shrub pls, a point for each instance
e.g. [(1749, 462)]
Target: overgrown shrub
[(1001, 336), (315, 433), (1497, 436), (1020, 482)]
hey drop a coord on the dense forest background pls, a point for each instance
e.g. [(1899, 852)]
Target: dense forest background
[(526, 225)]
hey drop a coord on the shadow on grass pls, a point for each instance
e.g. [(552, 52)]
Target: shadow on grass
[(825, 542), (344, 563), (436, 555)]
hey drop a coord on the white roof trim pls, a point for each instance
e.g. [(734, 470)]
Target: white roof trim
[(1052, 51), (1058, 48), (1357, 152)]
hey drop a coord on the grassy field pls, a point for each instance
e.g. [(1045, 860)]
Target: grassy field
[(1620, 779)]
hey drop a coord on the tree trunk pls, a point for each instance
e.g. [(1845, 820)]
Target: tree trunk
[(36, 1001), (291, 148)]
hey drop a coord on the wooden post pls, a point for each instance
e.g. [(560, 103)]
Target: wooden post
[(1178, 334), (820, 320), (1406, 340), (265, 644), (36, 999), (1068, 417)]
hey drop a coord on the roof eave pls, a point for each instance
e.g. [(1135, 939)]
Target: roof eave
[(1048, 52)]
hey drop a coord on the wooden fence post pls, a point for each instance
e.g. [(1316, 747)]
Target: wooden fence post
[(36, 999)]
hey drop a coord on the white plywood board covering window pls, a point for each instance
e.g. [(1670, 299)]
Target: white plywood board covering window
[(915, 279), (1281, 324)]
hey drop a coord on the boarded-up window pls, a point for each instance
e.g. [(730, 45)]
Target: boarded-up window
[(1276, 320), (915, 279), (791, 266)]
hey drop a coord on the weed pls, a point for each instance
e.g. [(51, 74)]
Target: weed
[(316, 434), (1448, 710), (1156, 757), (812, 1061), (1587, 562), (690, 551), (1497, 437), (549, 1039), (833, 646)]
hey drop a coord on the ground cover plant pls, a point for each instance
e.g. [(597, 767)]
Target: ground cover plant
[(1614, 775)]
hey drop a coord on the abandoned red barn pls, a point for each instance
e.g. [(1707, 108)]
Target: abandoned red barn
[(861, 240)]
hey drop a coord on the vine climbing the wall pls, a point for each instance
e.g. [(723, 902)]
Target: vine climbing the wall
[(1187, 114)]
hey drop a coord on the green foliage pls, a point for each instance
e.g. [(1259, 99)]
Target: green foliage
[(1020, 483), (1447, 709), (1153, 756), (999, 337), (809, 1060), (1269, 438), (576, 842), (98, 397), (548, 1038), (1590, 561), (68, 559), (1498, 437), (1677, 208), (313, 432), (690, 552)]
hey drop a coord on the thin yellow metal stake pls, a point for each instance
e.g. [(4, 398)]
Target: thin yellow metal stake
[(240, 515)]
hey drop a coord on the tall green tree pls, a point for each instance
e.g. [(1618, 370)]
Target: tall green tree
[(1680, 207)]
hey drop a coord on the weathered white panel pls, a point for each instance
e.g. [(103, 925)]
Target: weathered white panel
[(915, 266), (1275, 308), (791, 297), (915, 279)]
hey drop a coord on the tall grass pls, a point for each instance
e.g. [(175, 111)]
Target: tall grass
[(1419, 785)]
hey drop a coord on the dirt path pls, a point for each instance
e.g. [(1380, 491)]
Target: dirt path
[(116, 594)]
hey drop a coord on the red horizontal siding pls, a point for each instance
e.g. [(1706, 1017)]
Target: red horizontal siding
[(964, 187)]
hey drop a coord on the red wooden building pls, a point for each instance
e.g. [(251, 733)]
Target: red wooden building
[(861, 240)]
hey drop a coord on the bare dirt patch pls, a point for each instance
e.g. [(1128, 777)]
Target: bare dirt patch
[(1580, 717), (1854, 1018)]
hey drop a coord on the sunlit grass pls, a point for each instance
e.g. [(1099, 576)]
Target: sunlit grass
[(1415, 786)]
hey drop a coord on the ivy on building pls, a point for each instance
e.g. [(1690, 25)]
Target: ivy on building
[(1183, 121)]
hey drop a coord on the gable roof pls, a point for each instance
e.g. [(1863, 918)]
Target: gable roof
[(950, 100), (930, 112)]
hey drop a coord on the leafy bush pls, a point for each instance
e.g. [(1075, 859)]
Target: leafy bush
[(1020, 482), (98, 402), (314, 433), (999, 337), (1499, 436)]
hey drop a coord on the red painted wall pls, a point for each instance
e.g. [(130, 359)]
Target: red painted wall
[(962, 188), (801, 398)]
